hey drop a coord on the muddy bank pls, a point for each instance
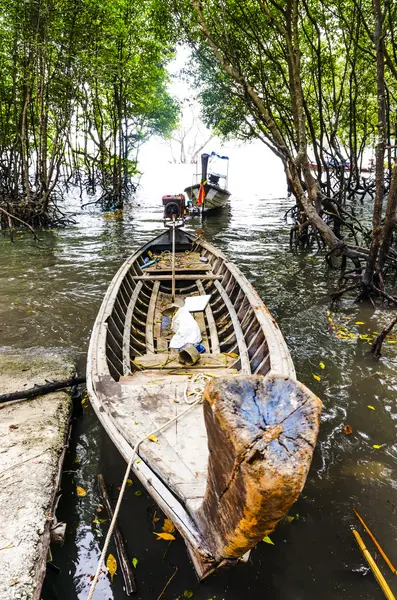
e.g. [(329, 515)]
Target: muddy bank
[(33, 439)]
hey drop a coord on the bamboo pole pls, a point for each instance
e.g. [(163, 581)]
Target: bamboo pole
[(126, 570), (374, 567), (371, 535)]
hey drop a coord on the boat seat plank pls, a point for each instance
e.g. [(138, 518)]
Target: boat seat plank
[(243, 352), (197, 266), (170, 361), (151, 317), (215, 348), (187, 277), (127, 328)]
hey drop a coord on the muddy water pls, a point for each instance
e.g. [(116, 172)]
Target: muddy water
[(49, 295)]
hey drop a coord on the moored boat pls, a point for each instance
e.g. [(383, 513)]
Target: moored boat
[(235, 432), (211, 192)]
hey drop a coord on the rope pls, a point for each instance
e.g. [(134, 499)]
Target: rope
[(124, 485)]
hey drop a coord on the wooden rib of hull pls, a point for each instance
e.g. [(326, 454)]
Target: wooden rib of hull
[(227, 474)]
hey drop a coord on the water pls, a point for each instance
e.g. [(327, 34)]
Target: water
[(49, 295)]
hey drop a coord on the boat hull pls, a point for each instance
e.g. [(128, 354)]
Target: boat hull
[(215, 197), (136, 385)]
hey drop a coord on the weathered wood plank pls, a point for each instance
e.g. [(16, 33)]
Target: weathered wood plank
[(261, 436), (197, 266), (127, 329), (151, 317), (170, 361), (187, 277), (215, 349), (243, 352)]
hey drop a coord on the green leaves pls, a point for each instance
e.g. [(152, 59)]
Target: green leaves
[(267, 540)]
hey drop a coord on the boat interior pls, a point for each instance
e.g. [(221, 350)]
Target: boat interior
[(152, 386)]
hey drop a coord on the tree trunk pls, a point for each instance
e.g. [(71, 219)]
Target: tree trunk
[(369, 272)]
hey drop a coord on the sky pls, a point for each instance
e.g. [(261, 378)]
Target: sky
[(253, 168)]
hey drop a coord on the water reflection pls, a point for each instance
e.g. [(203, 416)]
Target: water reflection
[(49, 295)]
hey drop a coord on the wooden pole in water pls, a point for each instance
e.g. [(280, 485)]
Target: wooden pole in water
[(371, 535), (126, 570), (374, 567), (173, 259)]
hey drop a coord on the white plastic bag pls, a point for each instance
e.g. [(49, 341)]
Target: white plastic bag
[(186, 329)]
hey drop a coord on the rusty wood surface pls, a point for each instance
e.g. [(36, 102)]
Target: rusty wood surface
[(261, 436)]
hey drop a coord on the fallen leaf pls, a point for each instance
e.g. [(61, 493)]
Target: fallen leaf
[(155, 519), (96, 521), (231, 354), (347, 430), (111, 565), (129, 482), (359, 323), (138, 493), (80, 491), (153, 438), (134, 562), (322, 365), (187, 594), (290, 519), (376, 446), (164, 536), (268, 540), (168, 526), (316, 377), (371, 407)]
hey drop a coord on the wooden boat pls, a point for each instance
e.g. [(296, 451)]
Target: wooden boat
[(209, 195), (228, 469)]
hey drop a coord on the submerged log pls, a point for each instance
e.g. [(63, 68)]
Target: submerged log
[(261, 436)]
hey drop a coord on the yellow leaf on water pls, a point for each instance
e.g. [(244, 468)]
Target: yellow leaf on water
[(164, 536), (322, 365), (268, 540), (376, 446), (290, 519), (80, 491), (168, 526), (187, 594), (316, 377), (153, 438), (371, 407), (111, 565), (129, 481), (359, 323)]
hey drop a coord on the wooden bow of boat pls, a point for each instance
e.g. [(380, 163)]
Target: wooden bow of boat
[(227, 474)]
